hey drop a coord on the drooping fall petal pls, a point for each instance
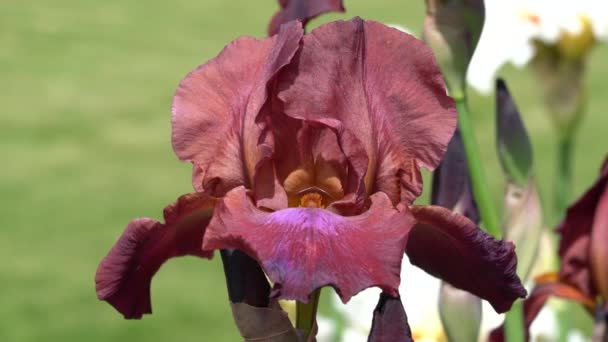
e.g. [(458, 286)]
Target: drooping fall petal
[(575, 232), (124, 275), (303, 10), (303, 249), (382, 87), (451, 247), (215, 109), (390, 321)]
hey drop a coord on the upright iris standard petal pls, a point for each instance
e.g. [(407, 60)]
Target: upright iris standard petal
[(383, 87), (124, 275), (390, 321), (215, 109), (575, 232), (303, 249), (451, 247), (303, 10)]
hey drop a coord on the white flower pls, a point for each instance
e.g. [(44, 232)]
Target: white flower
[(511, 27)]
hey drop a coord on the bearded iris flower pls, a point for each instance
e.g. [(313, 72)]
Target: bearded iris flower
[(306, 154)]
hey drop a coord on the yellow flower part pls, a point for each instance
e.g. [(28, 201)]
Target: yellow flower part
[(576, 45)]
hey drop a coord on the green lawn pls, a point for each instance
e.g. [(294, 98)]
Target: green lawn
[(85, 89)]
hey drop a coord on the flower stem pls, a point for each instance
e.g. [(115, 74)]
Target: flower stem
[(514, 323), (514, 318), (481, 191), (564, 175), (306, 313)]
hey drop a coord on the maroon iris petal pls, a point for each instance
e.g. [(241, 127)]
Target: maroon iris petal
[(599, 236), (451, 247), (303, 249), (575, 232), (215, 109), (124, 275), (381, 86), (390, 321), (535, 302), (303, 10)]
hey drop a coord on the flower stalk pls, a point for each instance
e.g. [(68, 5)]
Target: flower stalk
[(489, 218), (564, 174), (306, 313)]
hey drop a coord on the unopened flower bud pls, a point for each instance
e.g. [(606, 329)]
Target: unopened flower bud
[(460, 313), (452, 29)]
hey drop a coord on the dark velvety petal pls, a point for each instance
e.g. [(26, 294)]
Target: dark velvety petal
[(512, 142), (269, 324), (451, 184), (451, 247), (383, 87), (215, 109), (124, 275), (537, 299), (245, 279), (303, 10), (390, 321), (575, 232), (303, 249)]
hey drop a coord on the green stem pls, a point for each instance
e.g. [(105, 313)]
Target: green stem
[(481, 191), (306, 313), (564, 175), (514, 323)]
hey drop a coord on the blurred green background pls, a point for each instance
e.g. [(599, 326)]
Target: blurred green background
[(85, 90)]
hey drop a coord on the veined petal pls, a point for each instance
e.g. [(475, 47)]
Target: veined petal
[(382, 86), (303, 10), (303, 249), (124, 275), (215, 109), (451, 247), (576, 230), (390, 321)]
